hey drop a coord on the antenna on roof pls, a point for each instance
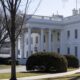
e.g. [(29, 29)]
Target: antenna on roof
[(76, 4)]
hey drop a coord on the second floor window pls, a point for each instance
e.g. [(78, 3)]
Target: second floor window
[(68, 34), (76, 51), (37, 39), (76, 33), (68, 50)]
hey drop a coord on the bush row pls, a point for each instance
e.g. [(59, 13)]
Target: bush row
[(73, 61), (47, 61), (6, 61)]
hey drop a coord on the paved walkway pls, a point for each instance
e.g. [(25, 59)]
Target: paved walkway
[(46, 75), (18, 69)]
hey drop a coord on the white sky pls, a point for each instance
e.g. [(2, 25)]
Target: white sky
[(50, 7)]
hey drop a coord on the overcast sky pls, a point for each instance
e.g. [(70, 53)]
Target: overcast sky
[(50, 7)]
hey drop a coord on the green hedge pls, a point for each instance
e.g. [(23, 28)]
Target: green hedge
[(6, 61), (72, 61), (47, 61)]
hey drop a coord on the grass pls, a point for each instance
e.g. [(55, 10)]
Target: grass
[(27, 74), (7, 75), (71, 77)]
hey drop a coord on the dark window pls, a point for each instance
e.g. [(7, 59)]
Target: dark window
[(68, 50), (68, 34), (27, 41), (76, 33), (58, 50), (27, 54), (18, 52), (35, 49), (76, 50), (37, 39)]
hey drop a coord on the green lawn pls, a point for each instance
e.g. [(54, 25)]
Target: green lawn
[(7, 75), (71, 77), (27, 74)]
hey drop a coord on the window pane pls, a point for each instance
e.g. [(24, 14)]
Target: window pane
[(68, 50), (37, 39), (58, 50), (68, 34), (26, 41), (76, 51), (76, 33)]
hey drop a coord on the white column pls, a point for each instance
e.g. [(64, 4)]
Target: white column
[(22, 46), (29, 41), (42, 43), (16, 48), (49, 40)]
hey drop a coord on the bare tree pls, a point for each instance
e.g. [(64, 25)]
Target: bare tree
[(3, 32), (10, 8)]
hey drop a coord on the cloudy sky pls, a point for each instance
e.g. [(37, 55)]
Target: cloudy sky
[(50, 7)]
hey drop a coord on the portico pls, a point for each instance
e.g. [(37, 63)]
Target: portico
[(47, 38)]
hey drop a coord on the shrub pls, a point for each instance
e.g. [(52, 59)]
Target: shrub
[(72, 61), (6, 61), (47, 61)]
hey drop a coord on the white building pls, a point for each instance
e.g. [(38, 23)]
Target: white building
[(54, 34)]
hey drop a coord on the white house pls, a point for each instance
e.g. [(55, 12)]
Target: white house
[(54, 34)]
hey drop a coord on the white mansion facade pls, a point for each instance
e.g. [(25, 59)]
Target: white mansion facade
[(54, 34)]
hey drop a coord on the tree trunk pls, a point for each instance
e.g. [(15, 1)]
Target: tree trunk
[(13, 63), (13, 57)]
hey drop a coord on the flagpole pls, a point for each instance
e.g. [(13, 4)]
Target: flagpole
[(76, 4)]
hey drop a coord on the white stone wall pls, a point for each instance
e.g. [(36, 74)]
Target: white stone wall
[(70, 23), (71, 41)]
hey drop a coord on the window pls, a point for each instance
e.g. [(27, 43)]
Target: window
[(76, 33), (37, 39), (76, 50), (68, 34), (58, 50), (35, 49), (26, 41), (18, 52), (58, 36), (27, 54), (68, 50), (44, 50)]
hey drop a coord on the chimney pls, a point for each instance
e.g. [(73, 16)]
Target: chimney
[(75, 12)]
